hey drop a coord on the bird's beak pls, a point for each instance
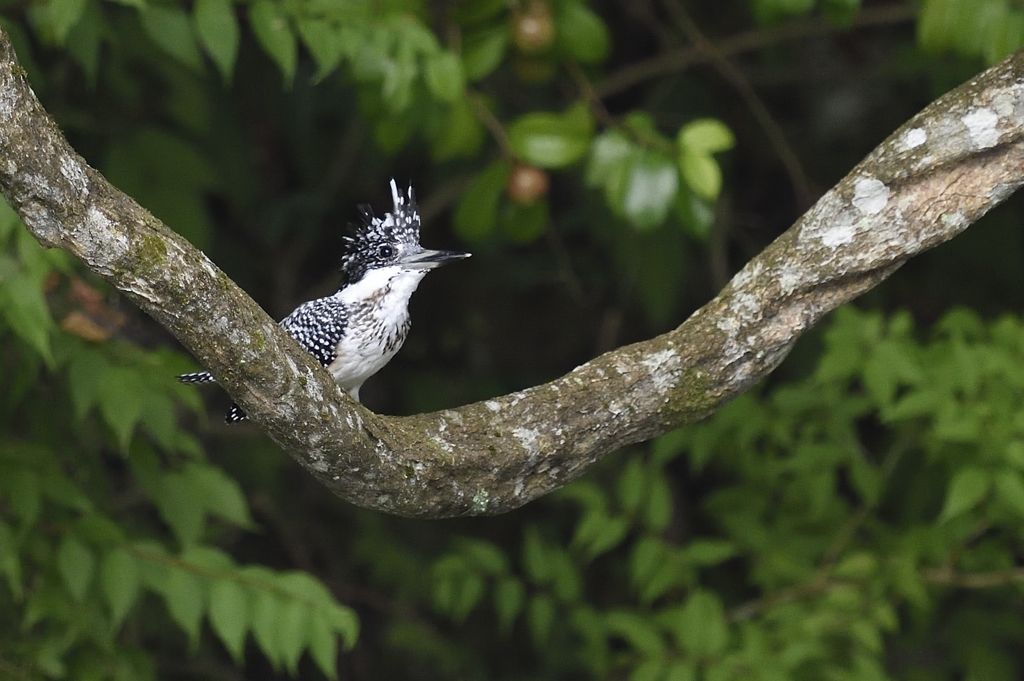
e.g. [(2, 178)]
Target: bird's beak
[(428, 260)]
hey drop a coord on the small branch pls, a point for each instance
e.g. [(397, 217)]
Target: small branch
[(759, 606), (977, 580), (944, 576)]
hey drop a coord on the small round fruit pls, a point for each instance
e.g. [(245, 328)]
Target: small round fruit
[(533, 27), (526, 184)]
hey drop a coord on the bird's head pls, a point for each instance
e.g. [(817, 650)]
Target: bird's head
[(390, 242)]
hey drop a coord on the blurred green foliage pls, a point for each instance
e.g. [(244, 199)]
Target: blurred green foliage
[(859, 517)]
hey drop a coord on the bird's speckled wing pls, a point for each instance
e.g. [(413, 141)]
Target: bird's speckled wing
[(317, 326)]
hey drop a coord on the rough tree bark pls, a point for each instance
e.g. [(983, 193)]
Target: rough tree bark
[(929, 181)]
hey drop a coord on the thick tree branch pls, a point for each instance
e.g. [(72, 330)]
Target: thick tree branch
[(936, 175)]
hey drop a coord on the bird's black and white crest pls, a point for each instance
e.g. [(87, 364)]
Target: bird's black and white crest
[(378, 242)]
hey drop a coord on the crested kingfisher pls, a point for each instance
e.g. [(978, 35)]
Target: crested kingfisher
[(356, 331)]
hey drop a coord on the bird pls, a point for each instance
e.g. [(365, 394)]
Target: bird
[(358, 329)]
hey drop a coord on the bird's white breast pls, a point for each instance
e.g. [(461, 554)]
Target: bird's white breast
[(378, 320)]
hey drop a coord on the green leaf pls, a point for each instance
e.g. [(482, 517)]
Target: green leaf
[(266, 611), (483, 51), (1005, 38), (651, 669), (122, 397), (550, 140), (647, 554), (220, 493), (77, 565), (180, 503), (477, 212), (610, 156), (860, 565), (275, 35), (841, 12), (700, 626), (541, 616), (683, 671), (459, 135), (346, 623), (84, 41), (708, 552), (535, 556), (650, 189), (444, 76), (483, 555), (632, 485), (23, 307), (701, 173), (207, 558), (969, 486), (61, 491), (659, 503), (120, 580), (705, 136), (1010, 490), (9, 220), (229, 615), (63, 15), (170, 28), (217, 27), (325, 42), (582, 34), (468, 592), (24, 494), (599, 533), (567, 580), (638, 631), (10, 563), (509, 596), (323, 643), (291, 633), (185, 595), (84, 375)]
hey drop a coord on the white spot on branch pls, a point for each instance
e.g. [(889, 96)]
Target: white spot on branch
[(913, 138), (841, 232), (72, 170), (663, 367), (480, 500), (528, 439), (981, 126), (870, 195)]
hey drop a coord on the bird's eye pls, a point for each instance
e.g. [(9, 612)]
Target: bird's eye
[(386, 252)]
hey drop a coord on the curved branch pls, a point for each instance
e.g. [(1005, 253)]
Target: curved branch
[(936, 175)]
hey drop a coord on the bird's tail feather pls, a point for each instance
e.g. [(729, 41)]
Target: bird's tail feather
[(197, 377)]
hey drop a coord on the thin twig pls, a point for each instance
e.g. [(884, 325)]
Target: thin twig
[(979, 580), (846, 534), (797, 177), (684, 58), (590, 94), (487, 117)]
